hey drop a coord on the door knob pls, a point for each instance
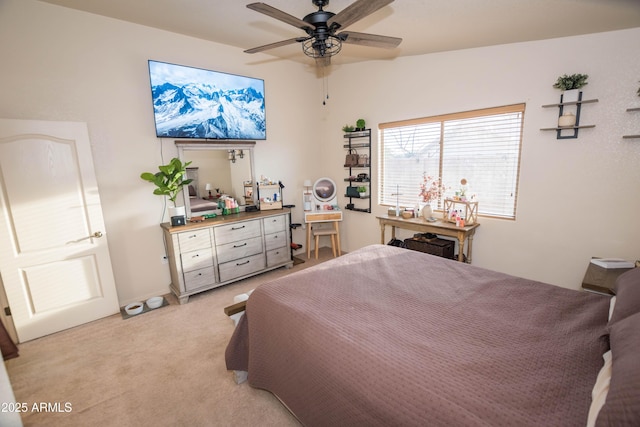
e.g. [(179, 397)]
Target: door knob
[(97, 234)]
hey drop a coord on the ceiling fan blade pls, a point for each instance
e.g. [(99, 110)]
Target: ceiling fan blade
[(371, 40), (280, 15), (273, 45), (355, 12)]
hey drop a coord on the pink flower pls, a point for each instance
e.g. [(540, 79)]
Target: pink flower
[(430, 189)]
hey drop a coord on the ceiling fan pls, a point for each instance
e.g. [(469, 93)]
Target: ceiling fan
[(322, 41)]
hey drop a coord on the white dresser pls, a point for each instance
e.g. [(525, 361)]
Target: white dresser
[(227, 248)]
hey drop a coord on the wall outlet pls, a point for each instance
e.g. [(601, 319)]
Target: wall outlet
[(164, 259)]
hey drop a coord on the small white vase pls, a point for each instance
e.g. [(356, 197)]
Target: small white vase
[(426, 211)]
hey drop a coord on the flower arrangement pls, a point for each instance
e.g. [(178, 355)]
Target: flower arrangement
[(430, 189)]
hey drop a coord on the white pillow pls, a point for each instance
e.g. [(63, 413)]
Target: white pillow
[(612, 304), (600, 390)]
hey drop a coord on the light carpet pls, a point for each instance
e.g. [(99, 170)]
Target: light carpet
[(161, 368)]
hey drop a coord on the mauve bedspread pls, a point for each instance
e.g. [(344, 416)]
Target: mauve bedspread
[(391, 337)]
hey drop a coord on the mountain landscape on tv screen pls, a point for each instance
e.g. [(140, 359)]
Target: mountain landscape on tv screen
[(201, 109)]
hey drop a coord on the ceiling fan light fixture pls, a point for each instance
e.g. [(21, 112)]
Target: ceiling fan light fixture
[(322, 48)]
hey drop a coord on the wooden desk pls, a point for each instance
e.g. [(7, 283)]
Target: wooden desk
[(439, 227), (311, 217)]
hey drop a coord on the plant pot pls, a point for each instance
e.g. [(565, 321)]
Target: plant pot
[(177, 214), (362, 195), (570, 95)]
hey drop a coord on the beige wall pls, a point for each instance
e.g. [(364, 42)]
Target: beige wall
[(576, 196), (62, 64)]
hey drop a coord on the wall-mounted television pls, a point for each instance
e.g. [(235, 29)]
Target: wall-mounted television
[(191, 102)]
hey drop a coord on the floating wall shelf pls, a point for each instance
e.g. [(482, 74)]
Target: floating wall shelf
[(631, 136), (561, 105)]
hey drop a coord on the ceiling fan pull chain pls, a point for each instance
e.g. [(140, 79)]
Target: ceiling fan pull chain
[(325, 87)]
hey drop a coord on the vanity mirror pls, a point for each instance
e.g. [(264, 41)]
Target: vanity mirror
[(217, 168)]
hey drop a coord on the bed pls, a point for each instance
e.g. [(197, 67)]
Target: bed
[(387, 336), (199, 205)]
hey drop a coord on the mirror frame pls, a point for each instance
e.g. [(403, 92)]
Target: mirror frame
[(249, 146)]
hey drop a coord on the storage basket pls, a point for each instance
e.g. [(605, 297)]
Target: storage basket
[(436, 246)]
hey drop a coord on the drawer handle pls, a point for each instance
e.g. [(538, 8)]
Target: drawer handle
[(238, 228), (195, 256), (239, 246), (243, 263), (193, 236)]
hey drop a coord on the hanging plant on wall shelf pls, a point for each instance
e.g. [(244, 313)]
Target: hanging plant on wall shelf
[(574, 81)]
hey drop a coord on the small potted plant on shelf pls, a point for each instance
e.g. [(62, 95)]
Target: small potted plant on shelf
[(362, 190), (169, 182), (348, 128), (360, 125), (574, 81), (570, 85)]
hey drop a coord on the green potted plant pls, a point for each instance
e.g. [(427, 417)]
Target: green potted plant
[(360, 124), (570, 85), (169, 182), (574, 81), (348, 128), (362, 190)]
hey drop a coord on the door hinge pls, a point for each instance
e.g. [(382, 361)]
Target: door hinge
[(7, 311)]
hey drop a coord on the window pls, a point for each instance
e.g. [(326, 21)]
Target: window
[(482, 146)]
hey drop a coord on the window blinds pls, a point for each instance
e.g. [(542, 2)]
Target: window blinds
[(482, 146)]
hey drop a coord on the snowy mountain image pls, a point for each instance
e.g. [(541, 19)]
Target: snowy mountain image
[(195, 103)]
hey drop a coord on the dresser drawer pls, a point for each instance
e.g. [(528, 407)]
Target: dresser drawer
[(192, 240), (199, 278), (197, 259), (275, 240), (278, 256), (274, 224), (241, 267), (239, 249), (236, 231)]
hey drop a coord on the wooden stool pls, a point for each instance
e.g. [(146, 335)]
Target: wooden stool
[(333, 233)]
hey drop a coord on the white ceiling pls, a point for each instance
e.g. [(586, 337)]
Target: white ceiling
[(426, 26)]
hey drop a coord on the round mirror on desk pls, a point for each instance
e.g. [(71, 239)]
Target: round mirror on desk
[(324, 193)]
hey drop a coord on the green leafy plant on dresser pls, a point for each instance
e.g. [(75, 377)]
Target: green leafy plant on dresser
[(170, 179)]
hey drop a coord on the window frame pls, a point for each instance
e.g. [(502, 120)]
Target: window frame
[(442, 118)]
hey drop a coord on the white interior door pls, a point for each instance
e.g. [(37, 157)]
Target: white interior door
[(54, 259)]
